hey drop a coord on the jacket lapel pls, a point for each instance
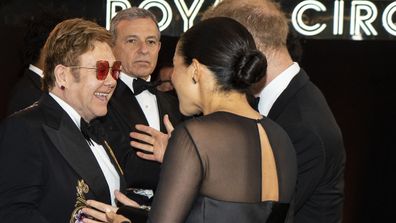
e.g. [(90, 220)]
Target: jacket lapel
[(68, 140), (126, 103), (299, 81), (162, 105)]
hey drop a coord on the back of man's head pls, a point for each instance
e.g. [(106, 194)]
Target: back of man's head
[(38, 28), (263, 18)]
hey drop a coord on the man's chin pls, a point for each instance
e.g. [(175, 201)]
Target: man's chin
[(144, 74), (101, 112)]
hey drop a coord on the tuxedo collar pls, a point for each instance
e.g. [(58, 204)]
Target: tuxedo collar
[(68, 140), (126, 103), (275, 88), (299, 81), (34, 78), (36, 70), (128, 80)]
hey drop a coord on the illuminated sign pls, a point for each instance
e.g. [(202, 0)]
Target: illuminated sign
[(363, 17), (339, 19)]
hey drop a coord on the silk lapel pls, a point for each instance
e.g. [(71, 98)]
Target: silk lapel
[(299, 81), (162, 105), (125, 102), (69, 141)]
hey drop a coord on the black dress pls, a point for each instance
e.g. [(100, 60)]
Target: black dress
[(212, 172)]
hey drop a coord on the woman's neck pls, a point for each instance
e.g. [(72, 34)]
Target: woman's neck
[(232, 102)]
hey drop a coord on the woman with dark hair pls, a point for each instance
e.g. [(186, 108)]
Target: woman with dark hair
[(231, 164)]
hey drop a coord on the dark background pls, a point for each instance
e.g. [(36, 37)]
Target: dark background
[(356, 77)]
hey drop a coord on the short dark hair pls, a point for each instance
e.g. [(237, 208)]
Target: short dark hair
[(227, 48), (38, 28), (131, 14)]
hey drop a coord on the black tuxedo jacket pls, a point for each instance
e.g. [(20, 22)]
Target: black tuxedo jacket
[(303, 112), (46, 166), (124, 112), (26, 91)]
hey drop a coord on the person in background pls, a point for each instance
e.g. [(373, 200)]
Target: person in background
[(295, 103), (28, 88), (164, 67), (52, 157), (231, 164), (136, 43), (164, 78)]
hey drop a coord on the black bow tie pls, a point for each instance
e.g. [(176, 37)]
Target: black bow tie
[(92, 131), (139, 85)]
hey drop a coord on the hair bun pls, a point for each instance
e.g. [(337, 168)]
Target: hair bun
[(249, 68)]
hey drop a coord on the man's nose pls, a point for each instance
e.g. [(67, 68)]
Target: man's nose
[(143, 47), (110, 81)]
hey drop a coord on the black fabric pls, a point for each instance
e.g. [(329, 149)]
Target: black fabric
[(217, 211), (26, 91), (43, 156), (137, 215), (253, 101), (278, 212), (139, 85), (138, 198), (124, 113), (304, 114), (218, 156), (92, 131)]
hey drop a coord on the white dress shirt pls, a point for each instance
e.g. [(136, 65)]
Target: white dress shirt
[(146, 100), (271, 92), (108, 169)]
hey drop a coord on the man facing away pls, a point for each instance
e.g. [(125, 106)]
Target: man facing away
[(293, 101), (28, 88), (136, 43)]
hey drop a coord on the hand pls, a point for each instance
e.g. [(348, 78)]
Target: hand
[(116, 218), (125, 200), (98, 209), (154, 140), (111, 217)]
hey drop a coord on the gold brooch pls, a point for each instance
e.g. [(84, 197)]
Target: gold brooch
[(77, 215)]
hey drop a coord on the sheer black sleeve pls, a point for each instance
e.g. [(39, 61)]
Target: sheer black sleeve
[(180, 180)]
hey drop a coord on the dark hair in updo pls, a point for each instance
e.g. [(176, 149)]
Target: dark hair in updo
[(227, 48)]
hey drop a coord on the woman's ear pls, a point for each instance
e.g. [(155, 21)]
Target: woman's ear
[(196, 66), (60, 76)]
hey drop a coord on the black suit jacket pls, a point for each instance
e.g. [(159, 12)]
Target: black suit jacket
[(124, 113), (303, 112), (26, 91), (43, 156)]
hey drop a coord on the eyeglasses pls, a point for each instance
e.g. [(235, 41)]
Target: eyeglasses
[(102, 69)]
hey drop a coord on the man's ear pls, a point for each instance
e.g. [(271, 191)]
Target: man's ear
[(60, 75)]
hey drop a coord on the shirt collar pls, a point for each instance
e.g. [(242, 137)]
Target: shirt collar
[(68, 109), (128, 80), (36, 70), (274, 89)]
